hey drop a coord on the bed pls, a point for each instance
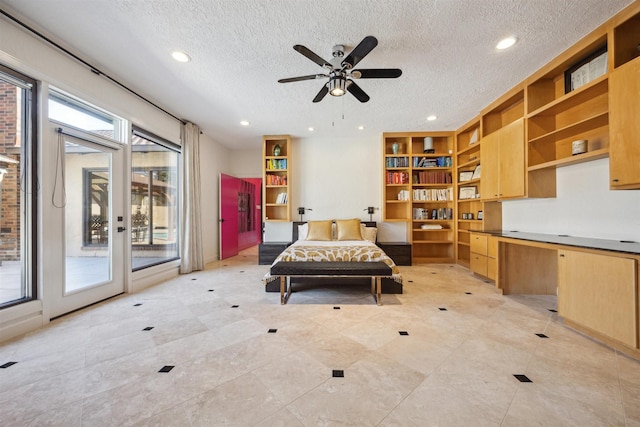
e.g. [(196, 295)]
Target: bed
[(337, 252)]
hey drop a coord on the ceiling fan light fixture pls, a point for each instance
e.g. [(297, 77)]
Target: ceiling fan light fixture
[(337, 86)]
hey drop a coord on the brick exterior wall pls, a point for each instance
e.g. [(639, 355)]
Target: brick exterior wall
[(9, 147)]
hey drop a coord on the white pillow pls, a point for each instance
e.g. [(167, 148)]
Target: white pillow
[(303, 230)]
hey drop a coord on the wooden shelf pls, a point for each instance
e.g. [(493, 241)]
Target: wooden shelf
[(598, 120), (579, 158), (272, 211), (573, 98)]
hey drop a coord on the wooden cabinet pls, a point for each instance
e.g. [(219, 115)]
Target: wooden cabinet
[(502, 158), (276, 185), (484, 254), (599, 292), (399, 252), (418, 190), (624, 124)]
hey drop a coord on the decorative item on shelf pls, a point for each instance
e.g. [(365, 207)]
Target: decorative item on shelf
[(276, 150), (474, 137), (465, 176), (579, 146), (476, 172), (428, 145), (395, 148), (480, 215), (467, 193), (301, 212)]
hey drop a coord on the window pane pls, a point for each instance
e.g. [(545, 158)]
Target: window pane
[(154, 203), (66, 110), (15, 142)]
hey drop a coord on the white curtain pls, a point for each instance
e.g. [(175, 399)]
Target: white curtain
[(191, 256)]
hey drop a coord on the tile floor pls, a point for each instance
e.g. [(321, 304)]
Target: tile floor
[(454, 367)]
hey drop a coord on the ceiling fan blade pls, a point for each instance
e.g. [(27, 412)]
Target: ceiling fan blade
[(301, 78), (376, 73), (312, 56), (357, 92), (366, 45), (321, 94)]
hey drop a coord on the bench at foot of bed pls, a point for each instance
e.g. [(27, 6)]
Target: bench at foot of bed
[(285, 271)]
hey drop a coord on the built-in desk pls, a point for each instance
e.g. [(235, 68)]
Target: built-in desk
[(596, 281)]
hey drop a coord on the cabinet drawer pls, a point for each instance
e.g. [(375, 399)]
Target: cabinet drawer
[(478, 264), (479, 243), (400, 253)]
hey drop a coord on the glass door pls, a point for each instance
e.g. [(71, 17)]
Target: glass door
[(94, 230)]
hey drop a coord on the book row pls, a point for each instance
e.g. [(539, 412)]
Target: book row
[(430, 162), (274, 164), (271, 179), (432, 177), (282, 198), (430, 194), (397, 162), (438, 214), (397, 178)]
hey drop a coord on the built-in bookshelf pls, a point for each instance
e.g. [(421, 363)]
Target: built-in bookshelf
[(418, 189), (276, 185)]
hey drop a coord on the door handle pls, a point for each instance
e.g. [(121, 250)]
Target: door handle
[(221, 220), (121, 229)]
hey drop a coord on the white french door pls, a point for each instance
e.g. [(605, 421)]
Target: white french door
[(94, 232)]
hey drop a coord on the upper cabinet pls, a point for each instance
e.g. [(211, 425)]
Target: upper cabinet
[(502, 155), (624, 118), (624, 106), (276, 183)]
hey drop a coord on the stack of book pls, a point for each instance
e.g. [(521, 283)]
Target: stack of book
[(281, 199)]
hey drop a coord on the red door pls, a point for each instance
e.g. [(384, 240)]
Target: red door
[(228, 216)]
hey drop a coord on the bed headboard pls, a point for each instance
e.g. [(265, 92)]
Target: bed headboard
[(294, 231)]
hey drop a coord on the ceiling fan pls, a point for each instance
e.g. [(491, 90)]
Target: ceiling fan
[(341, 72)]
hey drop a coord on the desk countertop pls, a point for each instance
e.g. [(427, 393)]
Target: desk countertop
[(625, 246)]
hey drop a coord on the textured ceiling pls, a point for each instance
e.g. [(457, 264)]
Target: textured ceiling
[(240, 48)]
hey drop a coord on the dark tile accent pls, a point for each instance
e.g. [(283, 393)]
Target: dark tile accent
[(553, 310), (235, 306), (487, 281), (273, 331), (194, 279), (522, 378), (410, 281), (148, 328), (542, 335), (336, 308), (337, 373), (210, 290), (166, 368), (241, 271), (137, 305), (442, 309), (6, 365), (403, 332), (468, 293), (433, 272)]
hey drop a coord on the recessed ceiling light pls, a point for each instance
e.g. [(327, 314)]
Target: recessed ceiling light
[(506, 43), (360, 127), (180, 56), (244, 123), (310, 129), (431, 118)]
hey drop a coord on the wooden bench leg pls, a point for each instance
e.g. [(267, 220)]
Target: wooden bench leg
[(379, 290), (285, 289)]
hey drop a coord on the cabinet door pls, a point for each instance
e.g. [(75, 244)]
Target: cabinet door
[(479, 243), (478, 264), (512, 168), (490, 161), (599, 292), (624, 126)]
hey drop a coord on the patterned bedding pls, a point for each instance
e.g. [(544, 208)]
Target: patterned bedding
[(342, 251)]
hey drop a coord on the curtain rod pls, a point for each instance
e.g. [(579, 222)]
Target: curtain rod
[(88, 65)]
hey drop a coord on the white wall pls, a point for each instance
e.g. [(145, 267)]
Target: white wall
[(584, 207)]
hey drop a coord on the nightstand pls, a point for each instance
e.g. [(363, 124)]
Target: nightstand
[(399, 252), (269, 251)]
